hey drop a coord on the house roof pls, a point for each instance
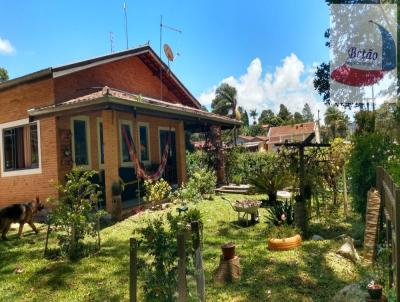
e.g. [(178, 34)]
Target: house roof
[(144, 52), (262, 137), (106, 97), (246, 138), (276, 133)]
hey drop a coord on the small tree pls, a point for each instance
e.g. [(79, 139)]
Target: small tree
[(3, 74), (76, 213)]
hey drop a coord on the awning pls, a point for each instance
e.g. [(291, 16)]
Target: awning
[(109, 98)]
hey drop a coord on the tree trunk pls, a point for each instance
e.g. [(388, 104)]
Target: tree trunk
[(345, 201)]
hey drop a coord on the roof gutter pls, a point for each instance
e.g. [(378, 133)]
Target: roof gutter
[(26, 78), (137, 105)]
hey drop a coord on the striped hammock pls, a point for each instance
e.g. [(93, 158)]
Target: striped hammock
[(140, 171)]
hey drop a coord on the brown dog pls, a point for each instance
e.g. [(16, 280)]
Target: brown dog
[(19, 213)]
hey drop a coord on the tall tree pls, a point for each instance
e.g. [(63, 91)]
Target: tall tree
[(308, 116), (284, 113), (266, 116), (225, 101), (298, 118), (244, 116), (336, 121), (253, 114), (3, 74)]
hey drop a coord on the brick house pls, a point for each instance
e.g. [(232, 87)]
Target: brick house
[(292, 133), (74, 115)]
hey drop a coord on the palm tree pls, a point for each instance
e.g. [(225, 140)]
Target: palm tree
[(225, 101), (336, 121), (253, 114)]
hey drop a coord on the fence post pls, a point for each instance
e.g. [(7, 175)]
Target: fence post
[(396, 256), (132, 270), (182, 285), (200, 279)]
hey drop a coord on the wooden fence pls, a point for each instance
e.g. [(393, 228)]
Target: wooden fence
[(390, 215), (181, 271)]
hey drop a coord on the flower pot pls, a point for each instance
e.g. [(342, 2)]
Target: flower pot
[(285, 244), (375, 291), (228, 250)]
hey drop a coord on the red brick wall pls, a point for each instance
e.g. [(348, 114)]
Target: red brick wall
[(130, 75), (14, 104)]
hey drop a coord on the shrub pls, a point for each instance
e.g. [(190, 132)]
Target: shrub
[(199, 160), (205, 181), (159, 266), (283, 231), (241, 165), (75, 215), (280, 214), (188, 192), (157, 190), (369, 151)]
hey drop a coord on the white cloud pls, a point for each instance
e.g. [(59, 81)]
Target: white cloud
[(290, 84), (6, 48)]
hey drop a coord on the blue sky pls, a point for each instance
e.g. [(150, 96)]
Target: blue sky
[(246, 43)]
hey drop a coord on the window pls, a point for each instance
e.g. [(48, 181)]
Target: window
[(125, 155), (100, 140), (144, 142), (80, 141), (20, 147)]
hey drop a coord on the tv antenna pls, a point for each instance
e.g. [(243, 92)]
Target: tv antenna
[(111, 41), (126, 25), (168, 52)]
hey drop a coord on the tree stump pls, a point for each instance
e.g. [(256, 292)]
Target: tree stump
[(228, 270)]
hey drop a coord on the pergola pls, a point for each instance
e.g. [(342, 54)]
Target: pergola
[(307, 143)]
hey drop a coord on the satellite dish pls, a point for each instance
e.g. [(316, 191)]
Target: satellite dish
[(168, 52)]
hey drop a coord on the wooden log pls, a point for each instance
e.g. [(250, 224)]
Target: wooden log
[(133, 270), (182, 283), (372, 223)]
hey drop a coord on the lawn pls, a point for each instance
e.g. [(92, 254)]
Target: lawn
[(310, 273)]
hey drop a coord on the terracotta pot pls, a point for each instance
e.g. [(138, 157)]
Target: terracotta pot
[(375, 292), (228, 250), (284, 244)]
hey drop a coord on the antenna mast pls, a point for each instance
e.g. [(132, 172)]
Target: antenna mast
[(111, 41), (126, 25), (161, 32)]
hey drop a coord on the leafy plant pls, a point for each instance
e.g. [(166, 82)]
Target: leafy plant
[(75, 215), (205, 181), (369, 151), (280, 214), (274, 176), (159, 264), (156, 191), (188, 192), (282, 231)]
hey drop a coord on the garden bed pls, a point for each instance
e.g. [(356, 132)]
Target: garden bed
[(311, 272)]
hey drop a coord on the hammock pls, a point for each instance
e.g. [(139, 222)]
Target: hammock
[(140, 171)]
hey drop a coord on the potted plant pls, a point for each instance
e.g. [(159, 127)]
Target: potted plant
[(116, 190), (228, 250), (283, 238), (374, 290)]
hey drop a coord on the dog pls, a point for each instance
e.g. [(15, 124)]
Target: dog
[(19, 213)]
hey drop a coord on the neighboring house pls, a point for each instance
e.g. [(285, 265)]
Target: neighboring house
[(75, 115), (292, 133), (253, 143)]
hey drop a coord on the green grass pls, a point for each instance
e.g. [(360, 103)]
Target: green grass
[(310, 273)]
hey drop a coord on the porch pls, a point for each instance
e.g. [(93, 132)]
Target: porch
[(90, 135)]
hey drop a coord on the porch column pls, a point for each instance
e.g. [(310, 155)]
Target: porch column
[(181, 152), (110, 138), (216, 140)]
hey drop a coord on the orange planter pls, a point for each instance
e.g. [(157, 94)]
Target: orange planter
[(284, 244)]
